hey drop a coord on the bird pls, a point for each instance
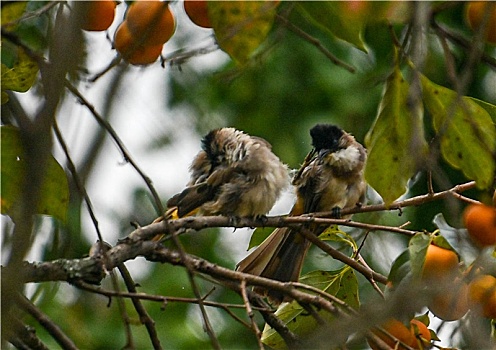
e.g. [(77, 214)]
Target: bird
[(234, 174), (331, 178)]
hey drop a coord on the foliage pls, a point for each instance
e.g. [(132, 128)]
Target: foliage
[(412, 81), (55, 191)]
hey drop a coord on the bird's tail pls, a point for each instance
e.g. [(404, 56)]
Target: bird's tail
[(279, 257)]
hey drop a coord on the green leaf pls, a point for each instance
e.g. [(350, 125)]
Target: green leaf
[(396, 142), (466, 131), (424, 318), (259, 235), (441, 241), (341, 283), (458, 240), (334, 234), (21, 76), (417, 248), (241, 26), (400, 268), (328, 16), (55, 189), (18, 71), (490, 108), (11, 12)]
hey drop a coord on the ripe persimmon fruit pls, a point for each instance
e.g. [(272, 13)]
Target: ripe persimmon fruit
[(134, 53), (97, 15), (439, 264), (197, 12), (475, 12), (451, 303), (421, 334), (482, 295), (409, 336), (480, 221), (151, 22)]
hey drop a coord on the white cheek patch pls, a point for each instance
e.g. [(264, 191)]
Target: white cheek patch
[(347, 159)]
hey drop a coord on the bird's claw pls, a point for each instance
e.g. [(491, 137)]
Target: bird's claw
[(336, 212)]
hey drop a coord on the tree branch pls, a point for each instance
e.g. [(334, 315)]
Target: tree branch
[(463, 42), (60, 337), (91, 270), (315, 42), (125, 153), (160, 298), (140, 309), (251, 315), (24, 337)]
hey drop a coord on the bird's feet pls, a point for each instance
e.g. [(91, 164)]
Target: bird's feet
[(262, 218), (336, 213)]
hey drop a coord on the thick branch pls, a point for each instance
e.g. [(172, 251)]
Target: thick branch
[(89, 269)]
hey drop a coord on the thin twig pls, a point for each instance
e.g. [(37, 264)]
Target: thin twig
[(196, 291), (77, 180), (362, 261), (159, 298), (155, 251), (181, 56), (368, 273), (124, 315), (430, 187), (60, 337), (330, 297), (315, 42), (251, 315), (24, 338), (125, 153), (290, 338), (140, 309), (321, 218), (312, 312), (33, 14), (414, 201), (463, 42), (87, 200)]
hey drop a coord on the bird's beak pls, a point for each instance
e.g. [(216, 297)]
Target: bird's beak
[(323, 153)]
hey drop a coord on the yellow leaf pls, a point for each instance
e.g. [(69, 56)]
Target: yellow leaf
[(396, 142), (466, 131), (241, 26), (12, 11), (54, 192), (329, 16), (342, 284), (21, 76)]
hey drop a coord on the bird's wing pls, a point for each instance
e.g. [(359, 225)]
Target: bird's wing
[(193, 197), (307, 188)]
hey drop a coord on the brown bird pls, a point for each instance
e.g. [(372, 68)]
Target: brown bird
[(234, 174), (331, 178)]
